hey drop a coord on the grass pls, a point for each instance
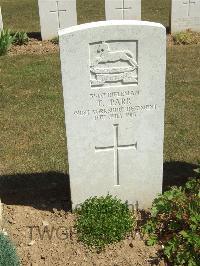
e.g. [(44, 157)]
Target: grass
[(156, 10), (182, 104), (87, 11), (20, 15), (32, 123)]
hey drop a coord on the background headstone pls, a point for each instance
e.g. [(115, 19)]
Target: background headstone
[(113, 76), (55, 15), (185, 14), (1, 21), (123, 9)]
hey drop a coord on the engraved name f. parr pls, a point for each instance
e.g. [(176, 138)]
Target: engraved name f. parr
[(116, 147)]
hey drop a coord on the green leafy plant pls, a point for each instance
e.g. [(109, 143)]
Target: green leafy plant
[(55, 40), (21, 38), (102, 221), (8, 256), (186, 37), (175, 223), (6, 40)]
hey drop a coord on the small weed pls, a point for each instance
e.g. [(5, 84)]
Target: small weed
[(102, 221), (8, 256), (6, 40), (55, 40), (187, 37), (175, 222), (21, 38)]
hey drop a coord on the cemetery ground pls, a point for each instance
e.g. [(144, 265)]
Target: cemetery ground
[(33, 165)]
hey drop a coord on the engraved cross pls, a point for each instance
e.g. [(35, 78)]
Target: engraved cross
[(116, 147), (189, 2), (58, 11), (123, 8)]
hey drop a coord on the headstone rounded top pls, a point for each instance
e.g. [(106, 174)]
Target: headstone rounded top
[(109, 23)]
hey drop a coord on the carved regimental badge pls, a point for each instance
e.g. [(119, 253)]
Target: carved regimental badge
[(113, 63)]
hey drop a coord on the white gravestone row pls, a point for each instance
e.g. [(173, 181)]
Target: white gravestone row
[(185, 14), (123, 9), (1, 21), (55, 15), (59, 14), (113, 76)]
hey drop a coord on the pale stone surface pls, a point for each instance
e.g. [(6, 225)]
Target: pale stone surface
[(113, 76), (185, 14), (123, 9), (55, 15), (1, 21)]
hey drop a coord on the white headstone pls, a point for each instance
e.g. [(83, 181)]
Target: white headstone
[(123, 9), (113, 76), (55, 15), (1, 21), (185, 14)]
